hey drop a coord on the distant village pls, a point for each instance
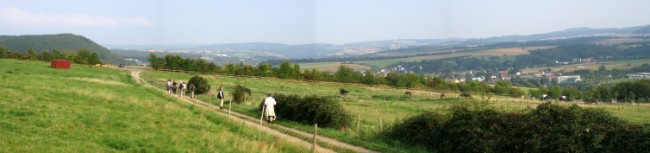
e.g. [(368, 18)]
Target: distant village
[(538, 75)]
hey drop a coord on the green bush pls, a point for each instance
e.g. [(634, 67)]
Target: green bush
[(323, 111), (548, 128), (239, 93), (200, 83)]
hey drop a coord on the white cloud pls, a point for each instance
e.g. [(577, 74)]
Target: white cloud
[(19, 17)]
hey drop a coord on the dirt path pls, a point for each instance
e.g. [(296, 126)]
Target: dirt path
[(135, 73), (250, 121)]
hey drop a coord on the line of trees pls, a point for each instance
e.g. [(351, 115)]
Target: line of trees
[(81, 56), (345, 74), (628, 91)]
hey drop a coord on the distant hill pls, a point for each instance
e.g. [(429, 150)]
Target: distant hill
[(62, 42), (643, 30), (568, 33), (291, 51)]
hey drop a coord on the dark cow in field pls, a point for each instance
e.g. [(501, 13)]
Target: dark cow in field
[(465, 95), (408, 93), (343, 92), (442, 95)]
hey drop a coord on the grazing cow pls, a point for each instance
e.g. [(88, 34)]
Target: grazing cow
[(442, 95), (408, 93), (343, 92), (544, 97), (564, 98), (465, 95)]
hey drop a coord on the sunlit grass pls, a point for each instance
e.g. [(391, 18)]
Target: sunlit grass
[(92, 109), (370, 103)]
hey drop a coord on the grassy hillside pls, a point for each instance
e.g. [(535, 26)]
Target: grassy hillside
[(332, 66), (511, 51), (92, 109), (371, 103), (61, 42)]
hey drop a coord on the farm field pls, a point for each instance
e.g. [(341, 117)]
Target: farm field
[(610, 65), (488, 52), (94, 109), (332, 66), (372, 103)]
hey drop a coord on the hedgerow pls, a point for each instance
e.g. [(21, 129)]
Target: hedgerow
[(548, 128), (239, 93), (200, 84), (311, 110)]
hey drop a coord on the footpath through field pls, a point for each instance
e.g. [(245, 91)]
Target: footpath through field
[(251, 121)]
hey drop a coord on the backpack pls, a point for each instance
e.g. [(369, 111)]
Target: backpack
[(219, 94)]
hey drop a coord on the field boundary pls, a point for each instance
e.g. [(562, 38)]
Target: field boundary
[(307, 81), (250, 121)]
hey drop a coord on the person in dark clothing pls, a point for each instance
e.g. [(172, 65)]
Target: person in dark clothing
[(221, 96), (191, 88), (174, 85)]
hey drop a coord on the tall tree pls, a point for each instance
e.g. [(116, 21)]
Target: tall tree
[(285, 70)]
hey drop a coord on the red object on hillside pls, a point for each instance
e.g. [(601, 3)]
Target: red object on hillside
[(60, 64)]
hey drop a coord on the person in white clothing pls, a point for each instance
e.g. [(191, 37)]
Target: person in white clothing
[(269, 110), (169, 86)]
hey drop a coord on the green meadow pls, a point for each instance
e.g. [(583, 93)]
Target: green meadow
[(95, 109), (370, 103)]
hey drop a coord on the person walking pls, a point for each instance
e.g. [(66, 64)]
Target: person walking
[(269, 108), (182, 87), (174, 87), (191, 88), (169, 86), (221, 96)]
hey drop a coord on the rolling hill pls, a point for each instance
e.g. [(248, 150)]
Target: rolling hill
[(62, 42)]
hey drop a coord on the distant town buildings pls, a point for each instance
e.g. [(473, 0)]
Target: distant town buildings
[(480, 79), (572, 79), (644, 75)]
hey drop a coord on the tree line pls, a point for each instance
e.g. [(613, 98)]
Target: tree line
[(627, 91), (81, 56), (345, 74)]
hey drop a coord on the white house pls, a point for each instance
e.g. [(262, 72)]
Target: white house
[(571, 79), (644, 75)]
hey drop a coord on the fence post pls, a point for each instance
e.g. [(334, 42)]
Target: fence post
[(358, 122), (262, 116), (313, 147), (229, 106), (381, 126)]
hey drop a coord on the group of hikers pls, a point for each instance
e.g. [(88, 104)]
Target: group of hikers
[(180, 88)]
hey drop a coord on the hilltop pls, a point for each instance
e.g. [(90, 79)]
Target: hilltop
[(61, 42)]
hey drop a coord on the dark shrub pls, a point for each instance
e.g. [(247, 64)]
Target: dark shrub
[(422, 129), (239, 93), (200, 83), (312, 109), (548, 128)]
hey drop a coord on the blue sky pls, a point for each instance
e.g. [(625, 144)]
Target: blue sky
[(304, 21)]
